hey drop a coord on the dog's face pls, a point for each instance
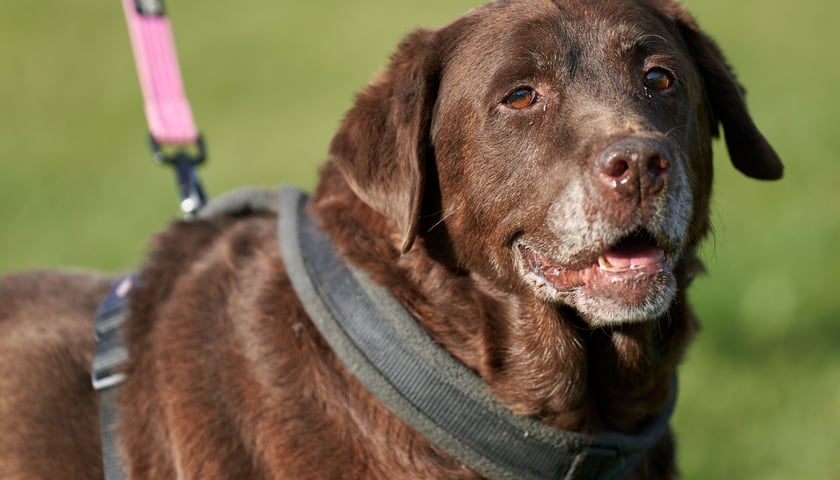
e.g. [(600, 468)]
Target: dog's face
[(561, 147)]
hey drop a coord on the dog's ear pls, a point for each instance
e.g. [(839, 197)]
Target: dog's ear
[(383, 143), (748, 149)]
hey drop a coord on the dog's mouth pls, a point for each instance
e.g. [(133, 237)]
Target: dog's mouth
[(636, 253), (631, 280)]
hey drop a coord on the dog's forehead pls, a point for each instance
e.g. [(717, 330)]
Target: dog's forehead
[(548, 29)]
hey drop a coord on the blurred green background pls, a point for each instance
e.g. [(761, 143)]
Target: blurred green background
[(269, 81)]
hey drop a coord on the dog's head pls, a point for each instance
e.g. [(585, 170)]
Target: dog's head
[(559, 147)]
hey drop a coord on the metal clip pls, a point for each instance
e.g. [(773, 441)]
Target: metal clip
[(185, 163), (150, 7)]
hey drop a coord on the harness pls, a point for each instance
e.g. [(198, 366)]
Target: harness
[(108, 357), (382, 345)]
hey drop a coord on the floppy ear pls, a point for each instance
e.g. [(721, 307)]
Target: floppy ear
[(748, 149), (383, 143)]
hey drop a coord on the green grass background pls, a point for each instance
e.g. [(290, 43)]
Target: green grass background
[(269, 81)]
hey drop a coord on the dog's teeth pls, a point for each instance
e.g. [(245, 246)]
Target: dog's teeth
[(605, 265)]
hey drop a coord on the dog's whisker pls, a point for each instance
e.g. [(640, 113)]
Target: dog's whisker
[(673, 130), (442, 219)]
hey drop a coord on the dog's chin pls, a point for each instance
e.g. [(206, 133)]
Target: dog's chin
[(628, 283)]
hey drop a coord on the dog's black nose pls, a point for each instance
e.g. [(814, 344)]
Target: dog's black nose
[(633, 166)]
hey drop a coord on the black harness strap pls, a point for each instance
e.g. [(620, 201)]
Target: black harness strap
[(385, 348), (109, 356)]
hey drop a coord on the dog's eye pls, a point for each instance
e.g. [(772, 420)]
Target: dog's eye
[(521, 98), (658, 79)]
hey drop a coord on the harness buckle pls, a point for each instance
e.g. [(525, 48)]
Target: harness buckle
[(110, 354), (184, 161)]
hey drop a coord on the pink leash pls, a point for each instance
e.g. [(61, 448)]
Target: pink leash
[(168, 112)]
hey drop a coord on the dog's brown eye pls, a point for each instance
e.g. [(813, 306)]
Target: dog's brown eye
[(521, 98), (658, 79)]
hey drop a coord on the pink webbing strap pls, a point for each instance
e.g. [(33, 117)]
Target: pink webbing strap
[(167, 110)]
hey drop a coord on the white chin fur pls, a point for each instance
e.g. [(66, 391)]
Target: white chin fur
[(601, 311)]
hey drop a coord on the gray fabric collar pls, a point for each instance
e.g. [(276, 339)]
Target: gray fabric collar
[(396, 360)]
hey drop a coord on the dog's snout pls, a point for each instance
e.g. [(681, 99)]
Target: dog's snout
[(633, 166)]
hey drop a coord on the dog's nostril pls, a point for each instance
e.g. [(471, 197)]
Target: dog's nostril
[(616, 168), (658, 166)]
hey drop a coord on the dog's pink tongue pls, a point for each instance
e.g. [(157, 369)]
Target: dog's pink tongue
[(634, 256)]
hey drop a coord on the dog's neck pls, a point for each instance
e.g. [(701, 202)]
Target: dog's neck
[(539, 360)]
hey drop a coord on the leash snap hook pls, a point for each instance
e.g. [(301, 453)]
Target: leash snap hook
[(185, 162)]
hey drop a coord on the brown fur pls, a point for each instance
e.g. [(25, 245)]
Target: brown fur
[(431, 184)]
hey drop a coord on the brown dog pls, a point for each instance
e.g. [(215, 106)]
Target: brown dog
[(531, 182)]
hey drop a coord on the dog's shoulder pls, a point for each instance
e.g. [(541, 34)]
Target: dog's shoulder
[(203, 304), (232, 230), (205, 256)]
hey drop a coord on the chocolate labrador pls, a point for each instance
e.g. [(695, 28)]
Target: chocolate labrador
[(530, 182)]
